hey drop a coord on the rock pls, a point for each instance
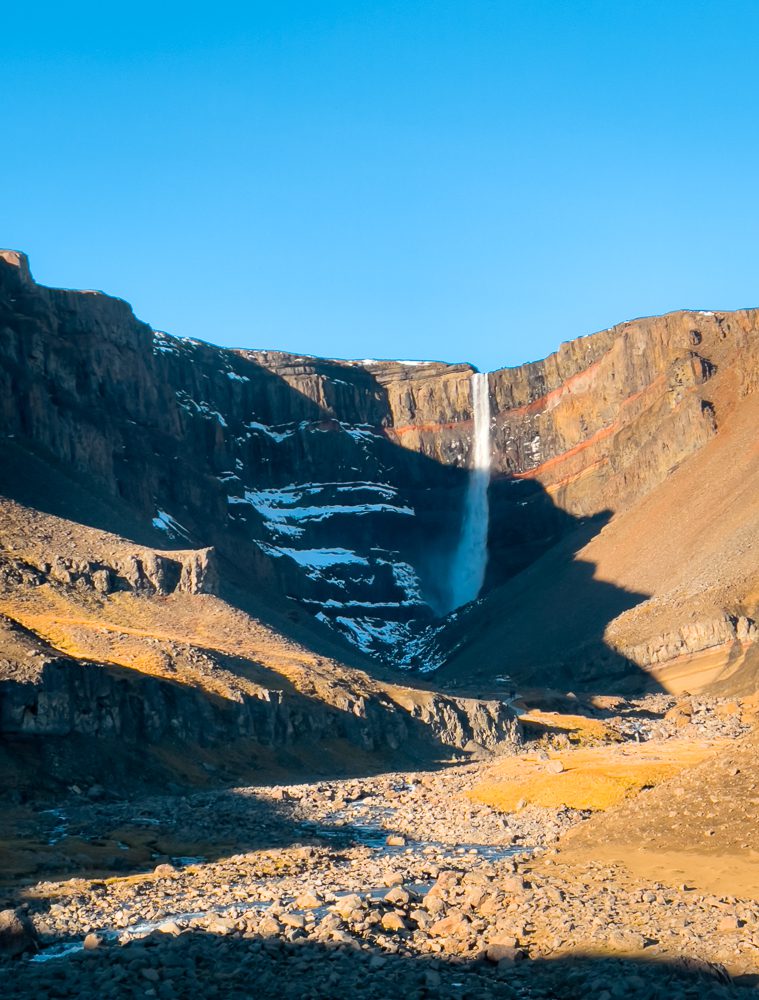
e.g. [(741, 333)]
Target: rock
[(398, 896), (512, 884), (433, 904), (170, 927), (728, 710), (395, 840), (308, 901), (445, 881), (164, 870), (269, 927), (421, 918), (709, 970), (554, 767), (454, 924), (504, 950), (16, 934), (347, 905), (221, 926), (392, 878), (92, 941), (393, 922)]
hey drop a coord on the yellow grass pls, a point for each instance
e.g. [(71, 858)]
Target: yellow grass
[(577, 728), (593, 778)]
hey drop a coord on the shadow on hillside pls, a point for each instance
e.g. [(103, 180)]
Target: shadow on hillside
[(198, 963), (113, 836), (124, 452), (527, 531), (85, 722)]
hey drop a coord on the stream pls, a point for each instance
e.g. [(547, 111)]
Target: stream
[(373, 837)]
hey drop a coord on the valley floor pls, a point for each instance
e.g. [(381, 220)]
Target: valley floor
[(498, 878)]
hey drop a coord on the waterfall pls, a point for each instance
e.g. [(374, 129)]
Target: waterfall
[(470, 559)]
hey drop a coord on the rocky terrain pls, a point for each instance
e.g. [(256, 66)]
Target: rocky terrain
[(128, 649), (338, 486), (404, 881), (250, 745)]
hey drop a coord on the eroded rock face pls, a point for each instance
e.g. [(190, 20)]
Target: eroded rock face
[(695, 637), (68, 697), (72, 697), (341, 484), (145, 572)]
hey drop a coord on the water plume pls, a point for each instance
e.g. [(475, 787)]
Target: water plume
[(471, 557)]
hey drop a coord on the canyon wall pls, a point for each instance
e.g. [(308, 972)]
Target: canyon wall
[(339, 485)]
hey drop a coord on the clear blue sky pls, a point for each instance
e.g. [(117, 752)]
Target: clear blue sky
[(452, 179)]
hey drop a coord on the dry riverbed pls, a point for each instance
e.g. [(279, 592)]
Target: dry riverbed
[(403, 884)]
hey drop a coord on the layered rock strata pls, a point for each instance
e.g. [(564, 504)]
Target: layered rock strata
[(340, 484)]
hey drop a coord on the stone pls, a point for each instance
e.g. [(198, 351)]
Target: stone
[(392, 878), (92, 941), (308, 901), (269, 927), (395, 840), (170, 927), (347, 905), (398, 896), (164, 870), (16, 934), (393, 922), (728, 924), (454, 924), (504, 950), (512, 884)]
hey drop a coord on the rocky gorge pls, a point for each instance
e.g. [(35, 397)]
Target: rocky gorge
[(340, 485), (368, 677), (369, 885)]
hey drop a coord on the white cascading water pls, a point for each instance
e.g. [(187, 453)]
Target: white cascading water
[(470, 560)]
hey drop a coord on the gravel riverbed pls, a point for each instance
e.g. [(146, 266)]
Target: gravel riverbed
[(372, 887)]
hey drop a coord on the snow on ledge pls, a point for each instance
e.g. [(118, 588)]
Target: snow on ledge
[(165, 522)]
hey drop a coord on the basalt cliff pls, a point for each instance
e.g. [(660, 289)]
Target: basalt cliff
[(216, 546)]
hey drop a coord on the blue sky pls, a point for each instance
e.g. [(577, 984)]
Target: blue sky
[(460, 180)]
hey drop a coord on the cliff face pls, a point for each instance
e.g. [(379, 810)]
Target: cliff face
[(340, 484)]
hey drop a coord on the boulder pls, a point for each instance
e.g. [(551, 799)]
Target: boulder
[(17, 935)]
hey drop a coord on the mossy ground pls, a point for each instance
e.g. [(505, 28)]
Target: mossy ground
[(593, 778)]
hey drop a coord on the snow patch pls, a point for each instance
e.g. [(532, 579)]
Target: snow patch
[(201, 408), (403, 644), (314, 561), (278, 436), (165, 522), (284, 505)]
